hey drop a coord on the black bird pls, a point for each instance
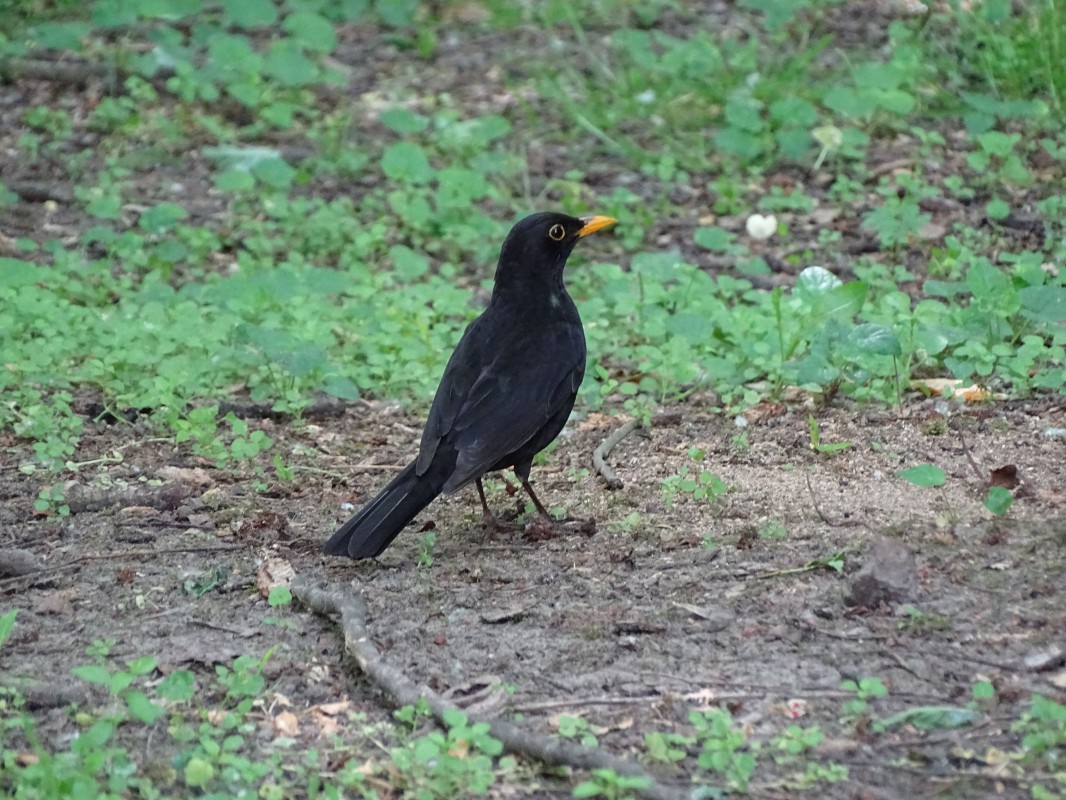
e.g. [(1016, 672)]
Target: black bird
[(506, 393)]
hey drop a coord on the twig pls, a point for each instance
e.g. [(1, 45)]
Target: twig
[(600, 454), (80, 560), (887, 167), (969, 457), (70, 73), (405, 692), (36, 192), (548, 705), (831, 523)]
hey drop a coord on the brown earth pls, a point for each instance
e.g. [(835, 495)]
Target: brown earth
[(630, 627)]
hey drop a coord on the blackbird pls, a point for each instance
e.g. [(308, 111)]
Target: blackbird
[(506, 393)]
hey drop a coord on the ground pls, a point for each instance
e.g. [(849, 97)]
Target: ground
[(750, 599), (659, 611)]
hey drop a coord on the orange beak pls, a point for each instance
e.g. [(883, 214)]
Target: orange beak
[(593, 224)]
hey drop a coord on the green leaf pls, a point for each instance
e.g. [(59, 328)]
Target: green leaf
[(142, 665), (161, 218), (587, 789), (814, 281), (234, 180), (93, 673), (406, 162), (141, 708), (403, 120), (998, 500), (926, 718), (923, 475), (1041, 303), (876, 339), (178, 686), (279, 596), (286, 63), (249, 13), (987, 283), (717, 240), (7, 624), (198, 772), (60, 35), (241, 157), (396, 13), (342, 387), (15, 272), (408, 264), (274, 172), (660, 266), (997, 209), (843, 302), (311, 30)]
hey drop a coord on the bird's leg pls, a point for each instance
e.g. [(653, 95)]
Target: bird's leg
[(533, 496), (487, 517)]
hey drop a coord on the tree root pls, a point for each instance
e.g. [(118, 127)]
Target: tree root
[(599, 455), (404, 691)]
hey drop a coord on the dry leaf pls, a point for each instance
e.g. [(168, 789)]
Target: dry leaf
[(271, 573), (704, 698), (138, 511), (61, 602), (1005, 476), (596, 421), (1058, 680), (332, 709), (939, 387), (794, 708), (286, 724), (623, 724), (191, 476)]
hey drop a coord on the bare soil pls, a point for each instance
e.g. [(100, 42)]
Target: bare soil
[(630, 627)]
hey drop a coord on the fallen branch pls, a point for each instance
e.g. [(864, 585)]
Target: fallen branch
[(406, 692), (599, 455), (66, 73), (149, 554)]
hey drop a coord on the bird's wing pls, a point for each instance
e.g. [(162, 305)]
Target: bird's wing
[(509, 401)]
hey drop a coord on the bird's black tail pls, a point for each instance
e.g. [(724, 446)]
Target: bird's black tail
[(370, 531)]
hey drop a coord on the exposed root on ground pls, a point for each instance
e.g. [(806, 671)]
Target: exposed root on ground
[(352, 610), (599, 455)]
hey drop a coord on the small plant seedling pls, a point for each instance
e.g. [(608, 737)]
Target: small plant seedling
[(667, 747), (865, 689), (998, 500), (816, 440), (608, 784), (703, 486), (425, 549), (923, 475), (578, 729), (773, 529), (833, 562)]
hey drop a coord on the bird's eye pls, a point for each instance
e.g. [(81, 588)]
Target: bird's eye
[(557, 232)]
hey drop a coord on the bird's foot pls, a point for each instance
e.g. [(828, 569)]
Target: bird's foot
[(541, 528), (493, 524)]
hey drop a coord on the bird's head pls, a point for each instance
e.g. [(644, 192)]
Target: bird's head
[(537, 247)]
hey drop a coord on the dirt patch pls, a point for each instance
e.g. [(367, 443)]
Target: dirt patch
[(631, 627)]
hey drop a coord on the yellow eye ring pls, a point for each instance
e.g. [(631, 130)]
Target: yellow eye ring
[(557, 232)]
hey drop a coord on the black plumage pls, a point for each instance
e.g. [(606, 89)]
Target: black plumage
[(507, 391)]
